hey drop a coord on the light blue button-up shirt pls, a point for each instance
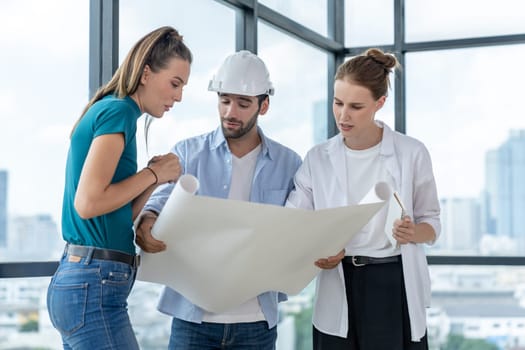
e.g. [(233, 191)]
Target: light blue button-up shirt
[(208, 158)]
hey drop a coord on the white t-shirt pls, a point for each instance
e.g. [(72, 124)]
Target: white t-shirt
[(364, 169), (241, 186)]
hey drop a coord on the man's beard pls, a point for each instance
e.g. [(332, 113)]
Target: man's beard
[(243, 129)]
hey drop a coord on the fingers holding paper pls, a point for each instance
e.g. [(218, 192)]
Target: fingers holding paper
[(331, 261), (404, 230), (145, 239)]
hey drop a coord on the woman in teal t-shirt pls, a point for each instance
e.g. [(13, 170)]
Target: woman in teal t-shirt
[(103, 194)]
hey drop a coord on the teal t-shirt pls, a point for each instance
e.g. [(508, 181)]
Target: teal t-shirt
[(113, 230)]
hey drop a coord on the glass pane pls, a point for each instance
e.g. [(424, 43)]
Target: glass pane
[(470, 118), (297, 114), (197, 113), (477, 307), (313, 15), (24, 320), (42, 92), (152, 327), (369, 23), (449, 19)]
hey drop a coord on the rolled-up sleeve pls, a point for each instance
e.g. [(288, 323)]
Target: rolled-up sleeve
[(426, 201)]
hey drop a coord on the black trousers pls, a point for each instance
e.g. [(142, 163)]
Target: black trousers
[(377, 311)]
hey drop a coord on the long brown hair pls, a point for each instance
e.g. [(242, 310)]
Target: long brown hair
[(155, 49)]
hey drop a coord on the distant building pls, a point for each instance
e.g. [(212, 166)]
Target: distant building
[(35, 238), (505, 186), (478, 303), (22, 301), (3, 208), (460, 228), (495, 316)]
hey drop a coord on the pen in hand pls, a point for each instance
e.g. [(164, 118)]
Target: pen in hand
[(400, 202), (403, 210)]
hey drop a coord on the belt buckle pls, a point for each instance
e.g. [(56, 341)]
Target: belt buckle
[(136, 261), (354, 262)]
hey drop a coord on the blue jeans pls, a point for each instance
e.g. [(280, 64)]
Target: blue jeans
[(87, 304), (210, 336)]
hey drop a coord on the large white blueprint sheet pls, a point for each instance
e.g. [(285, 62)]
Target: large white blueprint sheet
[(220, 253)]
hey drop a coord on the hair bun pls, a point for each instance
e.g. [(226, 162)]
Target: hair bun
[(173, 34), (388, 60)]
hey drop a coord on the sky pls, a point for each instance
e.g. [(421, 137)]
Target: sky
[(460, 103)]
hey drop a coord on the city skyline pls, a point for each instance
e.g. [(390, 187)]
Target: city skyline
[(465, 220)]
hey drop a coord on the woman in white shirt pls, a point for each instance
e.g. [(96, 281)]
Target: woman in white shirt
[(373, 294)]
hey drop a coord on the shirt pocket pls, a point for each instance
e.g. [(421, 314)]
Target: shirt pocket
[(275, 197)]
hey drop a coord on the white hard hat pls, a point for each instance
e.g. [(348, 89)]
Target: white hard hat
[(242, 73)]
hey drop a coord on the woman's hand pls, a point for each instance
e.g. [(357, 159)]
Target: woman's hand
[(404, 230), (167, 167), (331, 261)]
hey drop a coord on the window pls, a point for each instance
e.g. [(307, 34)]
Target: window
[(369, 23), (45, 53), (312, 15), (42, 93), (297, 115), (449, 19), (468, 113)]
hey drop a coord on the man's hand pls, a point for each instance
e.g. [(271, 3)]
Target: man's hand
[(144, 238), (331, 261)]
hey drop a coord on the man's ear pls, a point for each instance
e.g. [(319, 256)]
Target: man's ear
[(265, 105)]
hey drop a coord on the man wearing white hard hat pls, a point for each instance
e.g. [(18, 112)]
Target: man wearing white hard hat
[(235, 161)]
